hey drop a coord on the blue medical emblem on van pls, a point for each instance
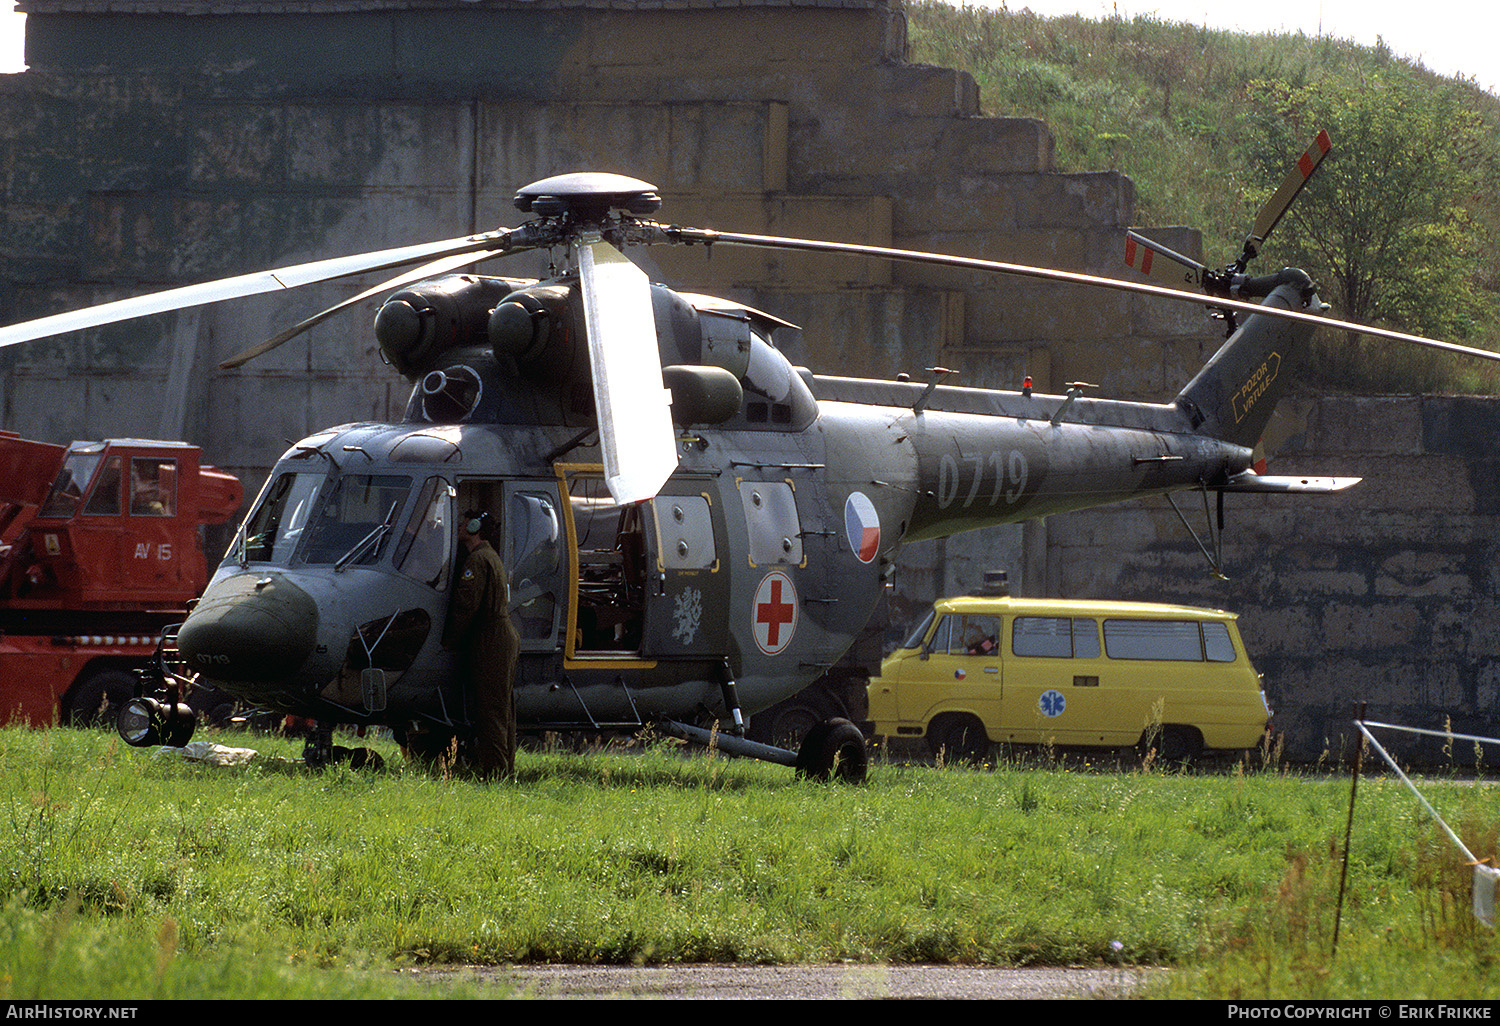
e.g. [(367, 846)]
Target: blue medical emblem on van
[(1052, 703)]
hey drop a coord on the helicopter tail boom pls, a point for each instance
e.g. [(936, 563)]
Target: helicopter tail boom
[(1232, 396)]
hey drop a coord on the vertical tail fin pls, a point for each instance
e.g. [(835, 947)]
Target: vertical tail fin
[(1233, 396)]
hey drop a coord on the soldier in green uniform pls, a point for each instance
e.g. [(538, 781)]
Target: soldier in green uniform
[(479, 628)]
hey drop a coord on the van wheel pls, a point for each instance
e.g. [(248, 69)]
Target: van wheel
[(959, 739), (1173, 744)]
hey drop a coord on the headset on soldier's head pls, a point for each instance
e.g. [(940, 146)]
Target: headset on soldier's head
[(476, 521)]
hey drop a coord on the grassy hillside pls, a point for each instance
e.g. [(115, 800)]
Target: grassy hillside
[(1189, 114)]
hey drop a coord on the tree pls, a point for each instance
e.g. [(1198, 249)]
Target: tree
[(1384, 226)]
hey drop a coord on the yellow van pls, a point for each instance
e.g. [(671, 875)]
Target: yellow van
[(1071, 673)]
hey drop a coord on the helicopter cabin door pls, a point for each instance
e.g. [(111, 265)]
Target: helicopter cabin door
[(530, 541), (645, 579)]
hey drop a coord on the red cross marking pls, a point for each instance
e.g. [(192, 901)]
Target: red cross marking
[(773, 613)]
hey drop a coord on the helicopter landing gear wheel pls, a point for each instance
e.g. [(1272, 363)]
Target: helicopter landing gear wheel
[(319, 752), (834, 748), (429, 747)]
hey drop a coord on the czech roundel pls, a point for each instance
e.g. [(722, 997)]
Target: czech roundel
[(774, 613), (862, 526)]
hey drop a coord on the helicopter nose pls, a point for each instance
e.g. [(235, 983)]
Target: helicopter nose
[(250, 627)]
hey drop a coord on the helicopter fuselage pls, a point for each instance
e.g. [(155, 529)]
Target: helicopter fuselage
[(758, 561)]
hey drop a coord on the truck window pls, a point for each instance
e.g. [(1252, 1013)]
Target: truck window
[(1177, 640), (105, 500), (67, 491), (153, 486)]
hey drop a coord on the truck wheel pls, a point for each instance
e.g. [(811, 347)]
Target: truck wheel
[(98, 697), (960, 739), (833, 748)]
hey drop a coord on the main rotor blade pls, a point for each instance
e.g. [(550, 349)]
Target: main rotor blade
[(252, 284), (633, 406), (709, 237), (1291, 185), (443, 266)]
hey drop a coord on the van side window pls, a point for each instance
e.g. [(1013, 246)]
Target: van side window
[(1153, 639), (1055, 637), (1216, 643), (1042, 636), (1086, 639)]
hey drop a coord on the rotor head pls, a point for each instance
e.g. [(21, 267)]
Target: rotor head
[(587, 197)]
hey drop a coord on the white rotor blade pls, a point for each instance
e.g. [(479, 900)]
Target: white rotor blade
[(416, 274), (634, 408), (710, 237), (243, 285)]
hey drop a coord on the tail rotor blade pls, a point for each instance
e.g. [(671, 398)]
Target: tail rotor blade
[(1291, 185), (633, 406), (1157, 261)]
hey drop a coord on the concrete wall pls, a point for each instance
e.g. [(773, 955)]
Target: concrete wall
[(1388, 593), (157, 143), (154, 144)]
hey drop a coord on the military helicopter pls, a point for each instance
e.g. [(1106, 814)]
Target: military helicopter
[(694, 528)]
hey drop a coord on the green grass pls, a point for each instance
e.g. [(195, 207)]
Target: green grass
[(126, 876)]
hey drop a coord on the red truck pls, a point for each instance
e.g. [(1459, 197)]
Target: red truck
[(99, 550)]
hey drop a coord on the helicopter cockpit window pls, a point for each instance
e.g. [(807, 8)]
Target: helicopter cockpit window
[(74, 477), (426, 545), (274, 529), (355, 521)]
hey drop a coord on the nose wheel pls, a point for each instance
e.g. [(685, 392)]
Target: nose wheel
[(319, 752)]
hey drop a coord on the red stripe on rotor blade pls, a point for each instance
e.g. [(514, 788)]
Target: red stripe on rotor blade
[(1129, 251), (1321, 145)]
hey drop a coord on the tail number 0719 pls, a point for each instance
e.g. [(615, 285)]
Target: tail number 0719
[(1004, 472)]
